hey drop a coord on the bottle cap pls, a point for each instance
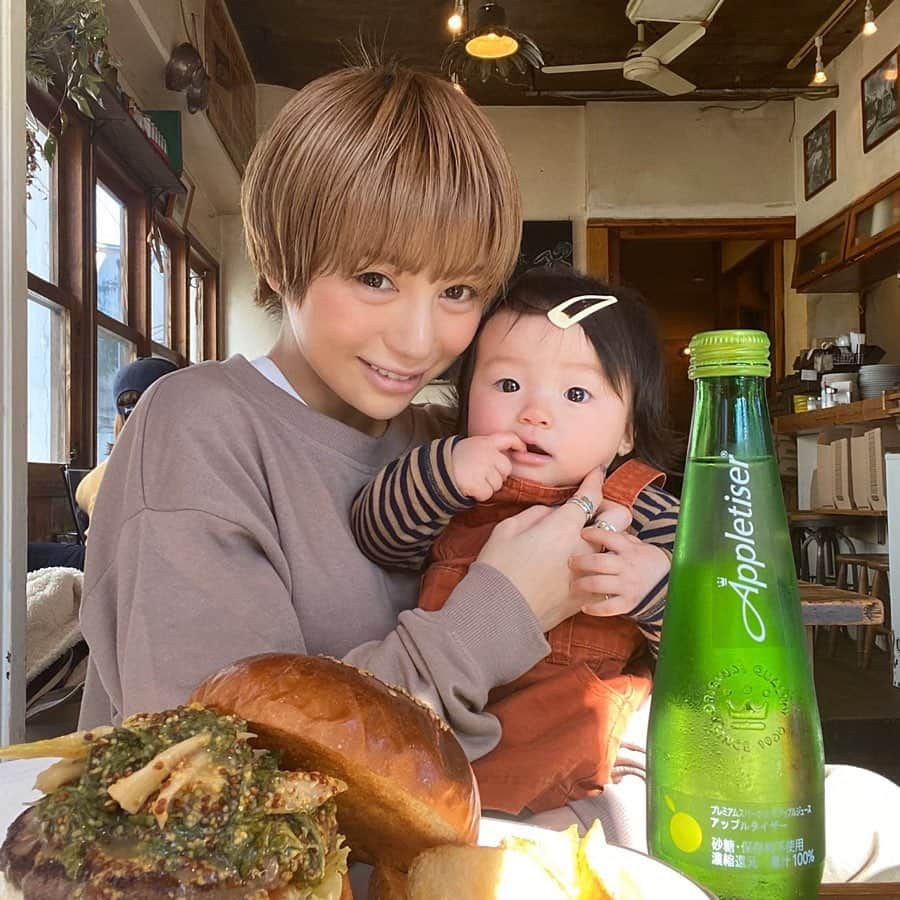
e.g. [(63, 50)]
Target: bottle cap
[(736, 352)]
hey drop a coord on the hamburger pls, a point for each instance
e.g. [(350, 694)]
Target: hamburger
[(173, 804), (409, 784), (248, 793)]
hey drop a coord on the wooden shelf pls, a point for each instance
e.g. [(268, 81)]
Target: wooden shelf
[(887, 406), (799, 515), (122, 136)]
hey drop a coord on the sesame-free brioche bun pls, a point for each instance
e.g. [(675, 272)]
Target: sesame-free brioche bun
[(409, 784)]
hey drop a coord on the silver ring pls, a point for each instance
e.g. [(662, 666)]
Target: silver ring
[(585, 504), (603, 525)]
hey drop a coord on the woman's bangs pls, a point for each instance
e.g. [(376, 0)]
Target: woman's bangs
[(441, 235)]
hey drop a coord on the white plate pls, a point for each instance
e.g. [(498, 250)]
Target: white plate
[(17, 788), (648, 877)]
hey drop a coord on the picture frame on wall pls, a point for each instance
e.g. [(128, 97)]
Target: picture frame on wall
[(880, 94), (820, 155), (181, 211)]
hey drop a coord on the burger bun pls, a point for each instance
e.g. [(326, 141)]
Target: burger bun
[(409, 784)]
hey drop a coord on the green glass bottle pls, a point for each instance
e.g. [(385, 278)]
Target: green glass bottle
[(735, 764)]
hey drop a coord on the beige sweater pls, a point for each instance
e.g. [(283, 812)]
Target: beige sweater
[(222, 530)]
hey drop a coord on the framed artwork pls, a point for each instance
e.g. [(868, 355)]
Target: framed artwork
[(820, 156), (545, 244), (881, 101), (181, 211), (232, 89)]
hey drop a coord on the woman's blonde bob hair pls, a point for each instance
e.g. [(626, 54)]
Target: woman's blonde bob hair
[(380, 165)]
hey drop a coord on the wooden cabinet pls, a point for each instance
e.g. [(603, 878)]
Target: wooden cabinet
[(855, 248), (821, 250), (875, 221)]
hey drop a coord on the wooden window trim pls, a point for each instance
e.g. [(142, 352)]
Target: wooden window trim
[(212, 319), (37, 285), (137, 258), (81, 163), (173, 237), (101, 320)]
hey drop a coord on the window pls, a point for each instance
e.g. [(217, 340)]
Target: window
[(161, 294), (47, 381), (98, 297), (195, 315), (48, 319), (40, 232), (112, 240), (113, 352)]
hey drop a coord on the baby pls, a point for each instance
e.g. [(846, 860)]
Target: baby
[(565, 376)]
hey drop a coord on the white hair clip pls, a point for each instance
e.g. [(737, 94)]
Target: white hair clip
[(561, 319)]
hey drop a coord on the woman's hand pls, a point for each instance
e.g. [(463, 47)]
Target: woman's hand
[(533, 550), (613, 583)]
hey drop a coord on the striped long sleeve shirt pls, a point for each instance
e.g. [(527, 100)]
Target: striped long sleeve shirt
[(398, 516)]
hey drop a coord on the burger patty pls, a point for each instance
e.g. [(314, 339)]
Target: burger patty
[(106, 877)]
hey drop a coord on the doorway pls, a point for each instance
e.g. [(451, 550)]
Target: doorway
[(698, 275)]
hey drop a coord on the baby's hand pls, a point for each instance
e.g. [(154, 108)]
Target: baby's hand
[(480, 464), (613, 514)]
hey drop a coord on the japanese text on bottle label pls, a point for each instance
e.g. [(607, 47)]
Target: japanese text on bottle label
[(749, 836)]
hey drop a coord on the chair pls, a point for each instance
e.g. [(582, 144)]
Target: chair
[(824, 535), (71, 479), (870, 575)]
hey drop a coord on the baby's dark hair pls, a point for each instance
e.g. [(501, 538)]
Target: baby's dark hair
[(624, 336)]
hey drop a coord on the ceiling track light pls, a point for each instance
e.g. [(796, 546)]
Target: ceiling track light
[(869, 26), (820, 77)]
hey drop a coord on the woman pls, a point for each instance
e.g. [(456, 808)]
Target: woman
[(382, 209)]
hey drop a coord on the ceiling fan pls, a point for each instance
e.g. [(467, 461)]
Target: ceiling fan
[(647, 64)]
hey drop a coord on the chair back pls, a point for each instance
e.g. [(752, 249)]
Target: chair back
[(71, 479)]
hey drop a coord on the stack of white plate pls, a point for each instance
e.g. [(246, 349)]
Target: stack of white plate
[(875, 379)]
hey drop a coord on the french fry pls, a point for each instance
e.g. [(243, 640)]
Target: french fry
[(132, 791), (557, 853), (63, 771), (591, 848), (68, 746)]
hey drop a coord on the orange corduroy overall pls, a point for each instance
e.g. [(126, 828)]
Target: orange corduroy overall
[(563, 719)]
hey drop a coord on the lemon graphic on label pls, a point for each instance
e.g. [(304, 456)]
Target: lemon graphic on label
[(687, 835)]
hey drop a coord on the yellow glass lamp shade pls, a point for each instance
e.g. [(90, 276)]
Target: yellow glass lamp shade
[(491, 45)]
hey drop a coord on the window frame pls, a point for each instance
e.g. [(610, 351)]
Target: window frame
[(200, 260), (82, 161)]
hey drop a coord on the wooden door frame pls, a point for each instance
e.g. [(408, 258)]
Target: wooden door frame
[(13, 373), (605, 236)]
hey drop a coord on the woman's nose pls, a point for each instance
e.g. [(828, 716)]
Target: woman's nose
[(411, 336), (535, 415)]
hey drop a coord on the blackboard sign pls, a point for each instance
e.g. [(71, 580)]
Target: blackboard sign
[(545, 244)]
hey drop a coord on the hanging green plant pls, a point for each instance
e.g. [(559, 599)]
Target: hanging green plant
[(67, 36)]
